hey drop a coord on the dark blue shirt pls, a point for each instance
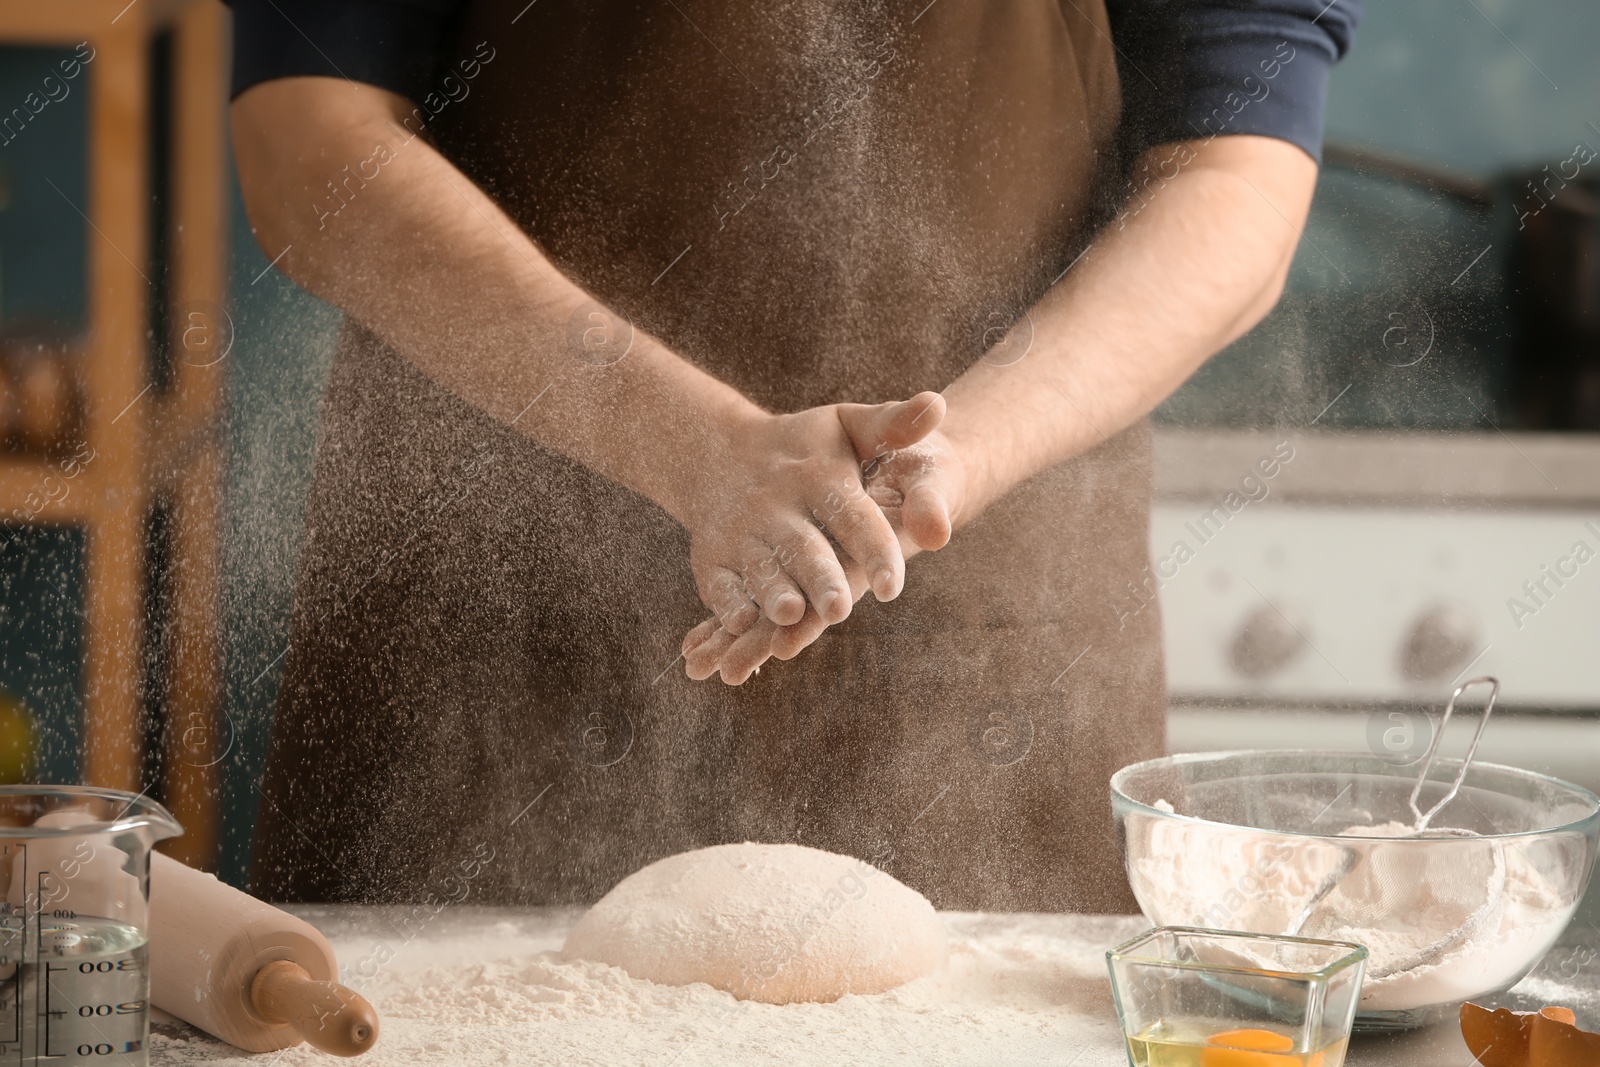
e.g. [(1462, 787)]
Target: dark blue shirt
[(1189, 68)]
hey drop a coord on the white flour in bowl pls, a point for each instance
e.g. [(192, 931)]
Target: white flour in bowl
[(1235, 878), (1516, 915)]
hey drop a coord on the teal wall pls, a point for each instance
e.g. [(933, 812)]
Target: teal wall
[(1434, 82)]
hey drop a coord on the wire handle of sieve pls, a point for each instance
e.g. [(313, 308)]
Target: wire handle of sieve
[(1424, 818)]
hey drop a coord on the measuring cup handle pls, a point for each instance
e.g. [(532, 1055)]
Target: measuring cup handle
[(329, 1016)]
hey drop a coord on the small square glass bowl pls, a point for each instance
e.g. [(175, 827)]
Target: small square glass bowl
[(1215, 998)]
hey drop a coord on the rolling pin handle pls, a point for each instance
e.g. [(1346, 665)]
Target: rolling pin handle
[(329, 1016)]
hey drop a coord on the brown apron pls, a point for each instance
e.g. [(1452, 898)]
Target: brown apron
[(817, 201)]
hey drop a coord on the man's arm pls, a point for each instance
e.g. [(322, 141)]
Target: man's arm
[(1192, 266), (430, 264), (1187, 271)]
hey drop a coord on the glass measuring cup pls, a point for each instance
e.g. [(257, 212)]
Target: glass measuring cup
[(74, 954)]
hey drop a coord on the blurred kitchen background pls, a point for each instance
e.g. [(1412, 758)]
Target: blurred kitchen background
[(1433, 375)]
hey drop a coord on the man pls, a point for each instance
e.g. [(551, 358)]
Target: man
[(661, 312)]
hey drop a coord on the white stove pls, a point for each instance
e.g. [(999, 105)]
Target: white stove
[(1361, 604), (1329, 589)]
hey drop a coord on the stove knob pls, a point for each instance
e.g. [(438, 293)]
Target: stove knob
[(1442, 641), (1268, 641)]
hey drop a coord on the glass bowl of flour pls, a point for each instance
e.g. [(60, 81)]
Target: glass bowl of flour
[(1319, 844)]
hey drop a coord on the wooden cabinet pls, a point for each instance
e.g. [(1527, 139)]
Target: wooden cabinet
[(149, 366)]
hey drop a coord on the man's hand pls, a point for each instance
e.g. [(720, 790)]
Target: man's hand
[(1199, 256), (922, 490), (918, 482), (760, 515), (478, 307)]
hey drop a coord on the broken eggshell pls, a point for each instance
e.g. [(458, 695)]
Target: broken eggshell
[(1546, 1038)]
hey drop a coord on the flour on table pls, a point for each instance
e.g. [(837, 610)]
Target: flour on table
[(1016, 990)]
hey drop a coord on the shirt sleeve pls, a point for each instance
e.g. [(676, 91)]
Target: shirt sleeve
[(393, 44), (1201, 68)]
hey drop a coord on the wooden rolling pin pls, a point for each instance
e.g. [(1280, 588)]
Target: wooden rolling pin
[(242, 970)]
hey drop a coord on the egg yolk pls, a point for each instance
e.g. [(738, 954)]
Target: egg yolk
[(1252, 1048)]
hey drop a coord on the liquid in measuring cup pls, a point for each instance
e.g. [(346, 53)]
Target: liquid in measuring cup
[(1224, 1043), (73, 990)]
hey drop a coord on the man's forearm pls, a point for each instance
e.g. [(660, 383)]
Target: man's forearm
[(1200, 261), (424, 259)]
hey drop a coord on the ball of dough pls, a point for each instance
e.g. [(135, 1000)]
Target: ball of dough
[(774, 923)]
